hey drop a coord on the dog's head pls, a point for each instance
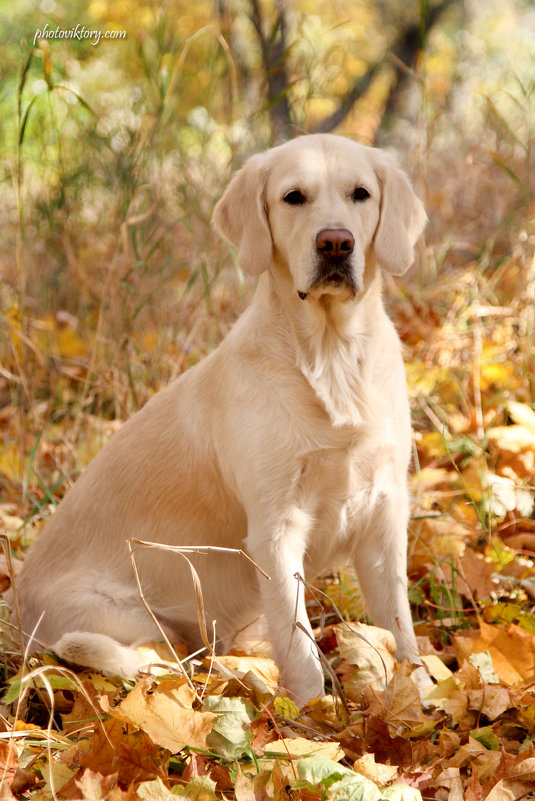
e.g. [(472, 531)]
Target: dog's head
[(319, 204)]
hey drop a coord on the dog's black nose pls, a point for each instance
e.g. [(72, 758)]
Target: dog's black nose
[(335, 243)]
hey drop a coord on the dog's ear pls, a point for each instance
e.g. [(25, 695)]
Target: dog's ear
[(402, 219), (240, 216)]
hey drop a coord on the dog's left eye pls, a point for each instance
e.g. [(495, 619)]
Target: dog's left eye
[(294, 197), (360, 194)]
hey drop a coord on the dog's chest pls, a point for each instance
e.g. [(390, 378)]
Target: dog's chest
[(339, 487)]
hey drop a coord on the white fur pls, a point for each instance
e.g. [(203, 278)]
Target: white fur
[(292, 439)]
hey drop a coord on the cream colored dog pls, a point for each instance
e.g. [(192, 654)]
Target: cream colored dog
[(291, 440)]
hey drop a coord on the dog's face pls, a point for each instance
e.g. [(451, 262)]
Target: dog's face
[(323, 202), (319, 205)]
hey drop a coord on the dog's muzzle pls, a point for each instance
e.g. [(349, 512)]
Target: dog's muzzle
[(334, 248)]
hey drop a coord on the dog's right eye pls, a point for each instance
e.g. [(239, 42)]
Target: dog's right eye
[(294, 198), (360, 193)]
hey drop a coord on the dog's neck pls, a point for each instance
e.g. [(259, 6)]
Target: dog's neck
[(330, 339)]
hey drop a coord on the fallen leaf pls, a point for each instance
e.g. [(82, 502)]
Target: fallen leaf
[(11, 462), (285, 707), (155, 790), (483, 662), (23, 781), (251, 788), (491, 701), (436, 667), (522, 414), (158, 657), (84, 712), (487, 737), (512, 650), (401, 792), (451, 700), (326, 713), (200, 788), (196, 765), (316, 769), (9, 763), (428, 478), (164, 711), (94, 786), (517, 784), (368, 654), (443, 537), (514, 438), (12, 523), (300, 746), (375, 771), (57, 776), (401, 707), (451, 779), (265, 668), (467, 753), (116, 747), (476, 574), (230, 735), (347, 785)]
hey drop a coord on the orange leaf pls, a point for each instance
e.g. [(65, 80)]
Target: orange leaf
[(164, 711), (118, 748), (512, 650)]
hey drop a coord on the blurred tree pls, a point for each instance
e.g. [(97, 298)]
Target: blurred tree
[(271, 29), (411, 41), (274, 49)]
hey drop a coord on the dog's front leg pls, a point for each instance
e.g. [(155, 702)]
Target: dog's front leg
[(381, 565), (280, 550)]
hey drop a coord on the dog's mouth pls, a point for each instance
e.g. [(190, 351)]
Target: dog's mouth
[(333, 276), (336, 277)]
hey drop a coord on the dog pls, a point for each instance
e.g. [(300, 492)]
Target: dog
[(291, 440)]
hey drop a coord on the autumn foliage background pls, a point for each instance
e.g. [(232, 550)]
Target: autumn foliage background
[(113, 283)]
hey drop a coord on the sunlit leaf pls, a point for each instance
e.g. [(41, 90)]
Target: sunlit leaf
[(230, 735), (164, 711), (375, 771), (301, 747), (483, 662), (155, 791), (487, 737), (201, 788), (285, 707), (369, 654)]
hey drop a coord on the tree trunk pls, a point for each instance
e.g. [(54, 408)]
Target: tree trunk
[(274, 51), (403, 54)]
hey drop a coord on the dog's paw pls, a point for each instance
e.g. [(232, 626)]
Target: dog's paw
[(303, 688), (424, 683), (100, 652)]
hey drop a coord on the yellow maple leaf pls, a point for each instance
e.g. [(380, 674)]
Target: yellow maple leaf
[(165, 712)]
